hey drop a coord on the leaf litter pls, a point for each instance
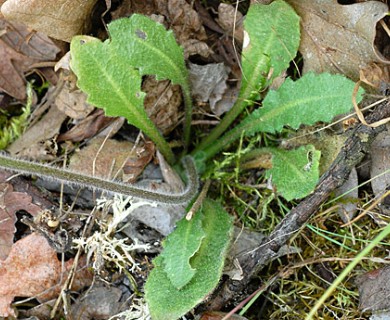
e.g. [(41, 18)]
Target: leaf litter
[(20, 50), (339, 38), (349, 54)]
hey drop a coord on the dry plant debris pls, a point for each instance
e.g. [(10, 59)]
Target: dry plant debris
[(339, 38), (32, 269), (20, 49), (58, 19), (10, 203)]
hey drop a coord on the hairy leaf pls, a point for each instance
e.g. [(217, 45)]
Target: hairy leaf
[(165, 301), (271, 42), (112, 84), (294, 172), (310, 99), (148, 46), (179, 247)]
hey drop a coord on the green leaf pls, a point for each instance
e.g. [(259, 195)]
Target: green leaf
[(165, 301), (148, 46), (295, 173), (308, 100), (112, 84), (179, 247), (272, 40)]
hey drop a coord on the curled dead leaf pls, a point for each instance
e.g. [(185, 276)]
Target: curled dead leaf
[(230, 20)]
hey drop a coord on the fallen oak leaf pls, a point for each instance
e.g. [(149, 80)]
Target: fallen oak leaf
[(32, 269)]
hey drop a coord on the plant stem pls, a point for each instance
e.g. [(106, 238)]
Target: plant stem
[(232, 114), (152, 132), (213, 148), (45, 171)]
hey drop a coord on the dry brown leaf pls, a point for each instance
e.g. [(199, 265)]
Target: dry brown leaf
[(128, 7), (183, 19), (106, 158), (374, 289), (208, 83), (20, 49), (10, 203), (61, 19), (216, 315), (230, 20), (90, 127), (380, 162), (73, 102), (30, 143), (100, 302), (377, 76), (134, 166), (32, 269), (162, 103), (339, 38)]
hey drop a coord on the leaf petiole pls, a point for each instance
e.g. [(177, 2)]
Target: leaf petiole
[(78, 179)]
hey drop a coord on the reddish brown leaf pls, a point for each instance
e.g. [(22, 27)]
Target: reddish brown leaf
[(32, 269)]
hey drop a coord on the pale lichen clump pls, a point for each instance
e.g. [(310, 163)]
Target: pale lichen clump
[(138, 311), (103, 245)]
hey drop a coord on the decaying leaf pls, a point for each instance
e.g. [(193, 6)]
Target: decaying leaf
[(216, 315), (60, 19), (20, 49), (208, 84), (91, 126), (230, 20), (374, 290), (101, 302), (106, 158), (73, 102), (162, 103), (32, 269), (339, 38), (10, 203), (348, 206), (380, 163), (183, 20), (32, 144)]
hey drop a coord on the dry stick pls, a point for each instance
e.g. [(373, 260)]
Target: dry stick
[(352, 153)]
